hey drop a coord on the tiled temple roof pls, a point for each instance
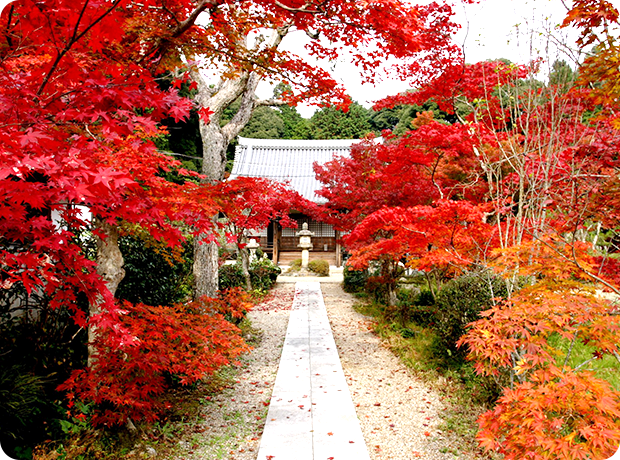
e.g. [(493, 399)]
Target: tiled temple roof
[(287, 161)]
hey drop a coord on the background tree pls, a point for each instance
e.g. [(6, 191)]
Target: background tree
[(398, 119), (265, 123), (295, 126), (334, 123), (561, 74)]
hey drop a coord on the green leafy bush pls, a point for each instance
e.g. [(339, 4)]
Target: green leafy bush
[(154, 275), (263, 273), (231, 276), (417, 306), (320, 267), (459, 302), (294, 266), (354, 280)]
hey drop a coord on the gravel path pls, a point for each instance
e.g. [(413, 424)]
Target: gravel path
[(399, 415)]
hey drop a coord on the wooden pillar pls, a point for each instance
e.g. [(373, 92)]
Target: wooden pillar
[(338, 250), (277, 231)]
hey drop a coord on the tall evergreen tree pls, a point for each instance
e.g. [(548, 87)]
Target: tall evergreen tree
[(333, 123)]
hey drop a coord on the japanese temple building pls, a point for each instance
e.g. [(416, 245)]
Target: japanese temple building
[(290, 162)]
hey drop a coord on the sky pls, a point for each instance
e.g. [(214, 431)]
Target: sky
[(491, 29)]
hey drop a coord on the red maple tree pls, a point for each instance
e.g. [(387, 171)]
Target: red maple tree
[(80, 107), (537, 168)]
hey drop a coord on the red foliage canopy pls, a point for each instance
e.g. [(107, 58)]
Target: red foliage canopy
[(78, 117)]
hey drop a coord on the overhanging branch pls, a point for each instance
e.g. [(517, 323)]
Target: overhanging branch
[(303, 9)]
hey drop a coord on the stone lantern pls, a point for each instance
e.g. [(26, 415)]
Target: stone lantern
[(305, 243), (252, 246)]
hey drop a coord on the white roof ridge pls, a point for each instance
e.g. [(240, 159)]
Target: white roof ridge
[(298, 143)]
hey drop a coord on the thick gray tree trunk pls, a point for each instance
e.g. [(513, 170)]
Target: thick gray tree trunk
[(244, 254), (215, 141), (110, 268), (206, 265)]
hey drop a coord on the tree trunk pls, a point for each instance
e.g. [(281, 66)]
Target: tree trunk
[(214, 145), (110, 268), (206, 260), (206, 266), (245, 265), (215, 140)]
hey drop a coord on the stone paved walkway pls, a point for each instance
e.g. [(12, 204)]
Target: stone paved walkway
[(311, 414)]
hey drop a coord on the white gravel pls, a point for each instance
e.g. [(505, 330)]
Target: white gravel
[(399, 415)]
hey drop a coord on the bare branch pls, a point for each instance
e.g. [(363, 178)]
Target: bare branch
[(577, 264), (313, 34), (243, 115), (191, 19), (160, 45), (203, 89), (74, 39), (303, 9), (270, 102)]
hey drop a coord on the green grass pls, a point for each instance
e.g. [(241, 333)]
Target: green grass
[(606, 368)]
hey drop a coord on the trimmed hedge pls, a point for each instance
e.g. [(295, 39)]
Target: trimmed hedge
[(459, 302), (354, 280), (320, 267)]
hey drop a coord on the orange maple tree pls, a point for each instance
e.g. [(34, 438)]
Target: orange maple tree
[(552, 405)]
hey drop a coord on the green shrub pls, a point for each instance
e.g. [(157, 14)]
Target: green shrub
[(354, 280), (154, 275), (459, 302), (417, 306), (408, 295), (294, 266), (320, 267), (263, 273), (231, 276)]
